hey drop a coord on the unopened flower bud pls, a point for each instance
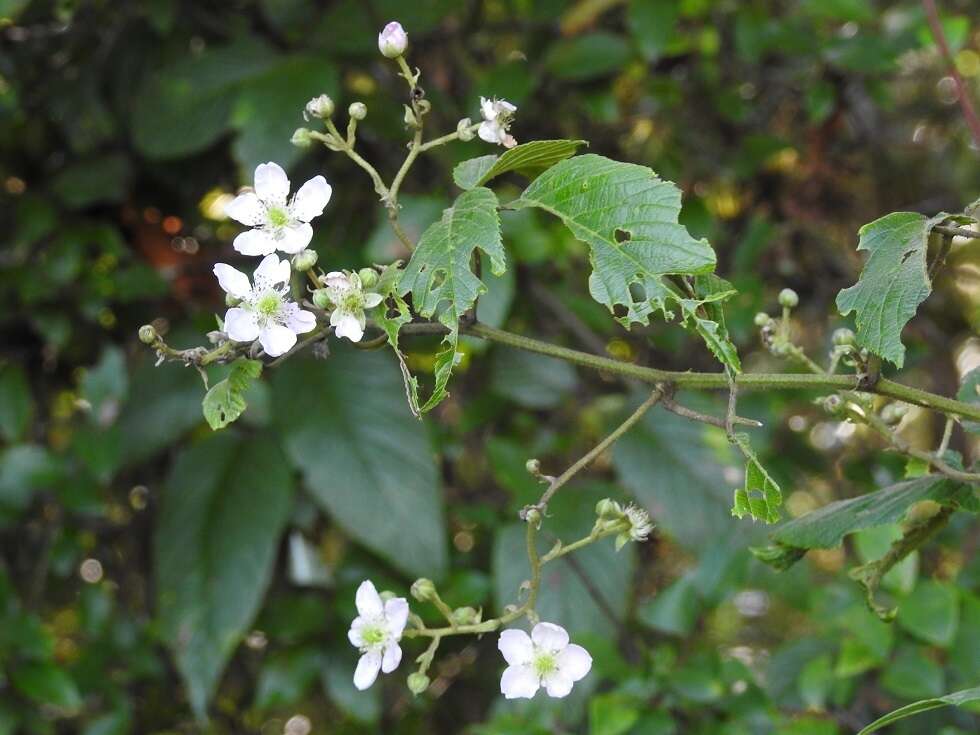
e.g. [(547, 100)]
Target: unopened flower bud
[(321, 299), (833, 404), (762, 319), (788, 298), (843, 336), (357, 110), (301, 138), (368, 276), (148, 334), (423, 589), (320, 107), (304, 260), (464, 131), (533, 467), (466, 616), (417, 683), (608, 509), (386, 595), (392, 41), (410, 119)]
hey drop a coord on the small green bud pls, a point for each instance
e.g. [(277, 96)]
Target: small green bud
[(833, 404), (843, 336), (320, 107), (533, 516), (417, 683), (357, 110), (533, 467), (762, 319), (608, 509), (463, 130), (368, 276), (321, 299), (410, 119), (466, 616), (893, 413), (788, 298), (302, 138), (304, 260), (148, 334), (423, 589), (231, 301)]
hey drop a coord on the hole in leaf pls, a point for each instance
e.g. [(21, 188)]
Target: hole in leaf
[(619, 311), (907, 255), (622, 235), (438, 278)]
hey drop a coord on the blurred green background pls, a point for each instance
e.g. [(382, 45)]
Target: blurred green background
[(149, 567)]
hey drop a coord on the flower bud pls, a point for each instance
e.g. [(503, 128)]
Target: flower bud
[(321, 299), (466, 616), (788, 298), (357, 110), (304, 260), (843, 336), (423, 589), (833, 404), (762, 319), (148, 334), (533, 516), (893, 413), (320, 107), (368, 276), (410, 119), (463, 130), (301, 138), (608, 509), (387, 595), (417, 683), (533, 467), (392, 41)]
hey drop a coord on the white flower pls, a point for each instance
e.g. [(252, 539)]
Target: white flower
[(497, 116), (265, 311), (545, 658), (347, 295), (640, 524), (278, 223), (376, 631), (392, 41)]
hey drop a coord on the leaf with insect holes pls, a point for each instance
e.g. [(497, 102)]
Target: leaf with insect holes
[(225, 401), (440, 276), (527, 159), (391, 322), (760, 497), (627, 216)]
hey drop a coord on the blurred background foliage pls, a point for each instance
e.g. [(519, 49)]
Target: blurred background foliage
[(151, 569)]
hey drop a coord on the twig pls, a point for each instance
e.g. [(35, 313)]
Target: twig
[(956, 231), (669, 404), (935, 25)]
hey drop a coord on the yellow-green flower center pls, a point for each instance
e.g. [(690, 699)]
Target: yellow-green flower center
[(352, 301), (277, 217), (544, 664), (373, 636), (268, 305)]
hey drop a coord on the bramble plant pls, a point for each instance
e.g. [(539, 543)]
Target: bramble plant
[(645, 265)]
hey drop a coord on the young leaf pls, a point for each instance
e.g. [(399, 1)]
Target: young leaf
[(225, 401), (391, 324), (439, 275), (527, 159), (628, 218), (955, 699), (893, 283), (761, 496)]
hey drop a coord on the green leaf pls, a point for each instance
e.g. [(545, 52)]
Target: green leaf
[(105, 385), (893, 283), (364, 457), (16, 403), (628, 218), (760, 496), (527, 159), (652, 25), (530, 380), (969, 392), (932, 612), (225, 401), (439, 274), (46, 683), (224, 508), (955, 699), (913, 674), (587, 57), (674, 610), (612, 714), (390, 324)]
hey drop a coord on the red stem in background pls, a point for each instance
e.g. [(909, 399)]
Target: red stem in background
[(972, 121)]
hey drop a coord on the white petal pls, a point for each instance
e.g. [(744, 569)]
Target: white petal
[(392, 657), (311, 198), (487, 109), (549, 636), (347, 325), (354, 635), (557, 684), (271, 183), (490, 132), (509, 141), (298, 320), (296, 238), (372, 299), (367, 670), (337, 281), (255, 242), (516, 646), (519, 682), (505, 106), (272, 271), (247, 209), (240, 325), (232, 280), (574, 662), (277, 340), (368, 600), (396, 613)]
